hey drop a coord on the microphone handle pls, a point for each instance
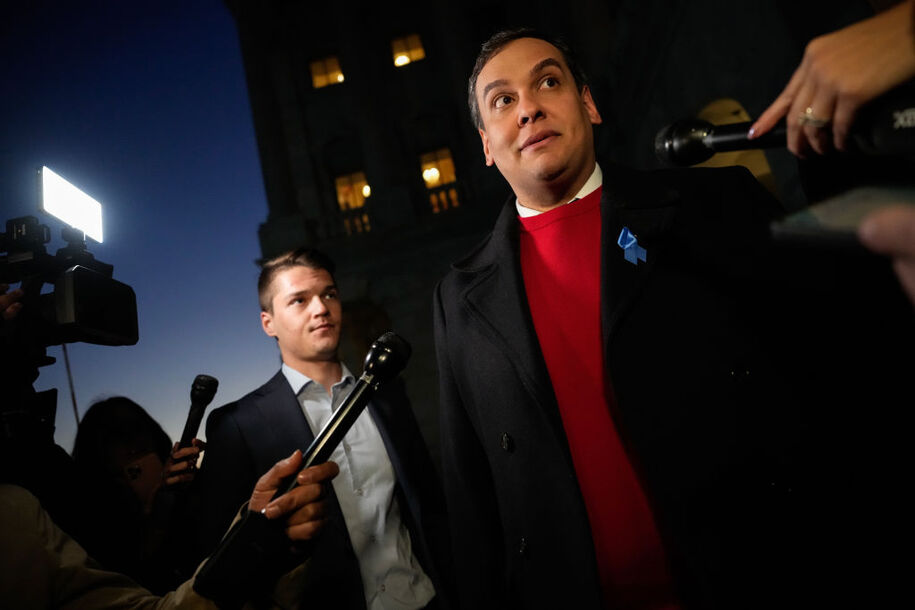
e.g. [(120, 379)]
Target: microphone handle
[(335, 429), (723, 138), (194, 417)]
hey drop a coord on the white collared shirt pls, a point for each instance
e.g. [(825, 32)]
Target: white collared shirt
[(391, 575), (594, 181)]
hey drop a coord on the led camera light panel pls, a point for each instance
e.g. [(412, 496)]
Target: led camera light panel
[(66, 202)]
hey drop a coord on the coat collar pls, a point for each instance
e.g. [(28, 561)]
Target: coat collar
[(495, 298), (494, 292)]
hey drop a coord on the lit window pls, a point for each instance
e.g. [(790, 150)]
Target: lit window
[(352, 191), (325, 72), (438, 174), (407, 49)]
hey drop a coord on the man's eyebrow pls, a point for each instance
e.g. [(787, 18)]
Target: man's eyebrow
[(549, 61), (496, 83), (297, 293)]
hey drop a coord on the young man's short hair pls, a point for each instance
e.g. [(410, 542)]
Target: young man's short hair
[(300, 257), (496, 43)]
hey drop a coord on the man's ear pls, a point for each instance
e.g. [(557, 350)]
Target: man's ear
[(485, 139), (590, 106), (267, 323)]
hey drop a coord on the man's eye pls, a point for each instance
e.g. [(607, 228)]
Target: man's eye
[(330, 295), (501, 100), (549, 82)]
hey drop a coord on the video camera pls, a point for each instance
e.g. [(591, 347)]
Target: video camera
[(86, 304)]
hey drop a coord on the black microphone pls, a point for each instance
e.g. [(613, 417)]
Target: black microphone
[(885, 126), (202, 392), (385, 359), (691, 141)]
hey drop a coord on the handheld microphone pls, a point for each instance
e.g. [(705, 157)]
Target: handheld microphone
[(202, 392), (885, 126), (385, 359), (691, 141)]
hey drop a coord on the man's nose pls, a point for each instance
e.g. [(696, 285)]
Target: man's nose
[(318, 306), (529, 110)]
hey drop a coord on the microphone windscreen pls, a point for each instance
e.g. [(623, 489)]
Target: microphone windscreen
[(203, 389), (387, 356)]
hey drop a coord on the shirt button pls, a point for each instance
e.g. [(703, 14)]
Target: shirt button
[(508, 443), (359, 491), (382, 588)]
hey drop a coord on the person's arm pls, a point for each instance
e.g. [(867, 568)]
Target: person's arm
[(42, 562), (44, 567), (840, 72)]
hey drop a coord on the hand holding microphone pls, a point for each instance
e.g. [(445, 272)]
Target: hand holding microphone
[(839, 73), (182, 463), (885, 126)]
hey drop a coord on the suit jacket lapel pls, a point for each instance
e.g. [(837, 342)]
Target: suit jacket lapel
[(285, 429), (283, 424)]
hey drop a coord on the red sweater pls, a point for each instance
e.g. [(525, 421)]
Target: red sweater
[(560, 262)]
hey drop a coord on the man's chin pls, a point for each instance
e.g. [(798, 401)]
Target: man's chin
[(547, 168)]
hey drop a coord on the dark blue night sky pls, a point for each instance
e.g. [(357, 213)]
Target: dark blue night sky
[(143, 105)]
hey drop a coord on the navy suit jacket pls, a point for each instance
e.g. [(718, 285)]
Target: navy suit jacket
[(716, 381), (247, 437)]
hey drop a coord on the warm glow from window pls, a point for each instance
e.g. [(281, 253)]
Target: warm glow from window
[(325, 72), (431, 176), (438, 174), (352, 191), (407, 49)]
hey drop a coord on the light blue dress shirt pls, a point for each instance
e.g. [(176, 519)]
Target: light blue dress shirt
[(391, 575)]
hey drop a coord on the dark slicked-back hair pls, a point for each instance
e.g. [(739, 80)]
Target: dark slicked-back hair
[(497, 42), (300, 257)]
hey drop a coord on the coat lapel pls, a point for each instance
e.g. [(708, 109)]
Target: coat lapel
[(645, 208), (496, 300)]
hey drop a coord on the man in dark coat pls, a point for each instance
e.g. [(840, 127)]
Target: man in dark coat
[(626, 417), (384, 543)]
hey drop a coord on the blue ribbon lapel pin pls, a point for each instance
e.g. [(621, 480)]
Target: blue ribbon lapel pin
[(632, 251)]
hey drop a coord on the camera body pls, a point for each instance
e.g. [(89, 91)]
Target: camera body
[(86, 305)]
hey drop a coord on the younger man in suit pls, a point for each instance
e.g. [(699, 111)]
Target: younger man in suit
[(379, 547)]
